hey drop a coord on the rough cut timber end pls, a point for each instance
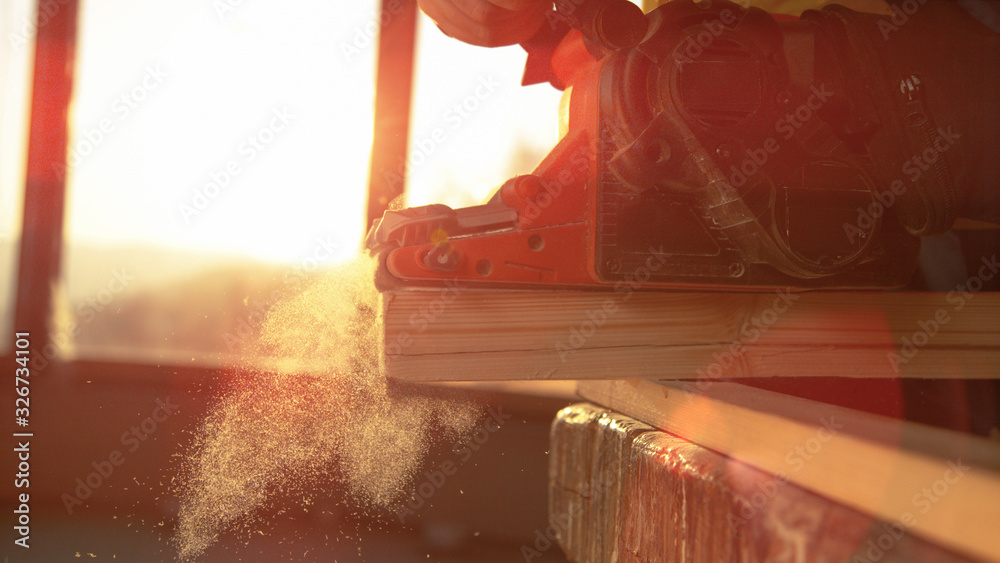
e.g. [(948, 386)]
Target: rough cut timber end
[(622, 491), (876, 465)]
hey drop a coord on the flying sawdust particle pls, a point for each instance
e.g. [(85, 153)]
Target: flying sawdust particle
[(279, 432)]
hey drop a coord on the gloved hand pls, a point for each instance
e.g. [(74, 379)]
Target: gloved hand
[(488, 23)]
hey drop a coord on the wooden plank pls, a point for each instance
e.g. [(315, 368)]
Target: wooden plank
[(939, 484), (473, 334), (620, 490)]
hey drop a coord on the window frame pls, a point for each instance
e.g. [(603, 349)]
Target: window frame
[(40, 252)]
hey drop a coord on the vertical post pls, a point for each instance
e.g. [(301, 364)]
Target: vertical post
[(45, 190), (393, 93)]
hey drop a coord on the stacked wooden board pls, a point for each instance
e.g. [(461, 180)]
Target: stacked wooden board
[(623, 491), (463, 334)]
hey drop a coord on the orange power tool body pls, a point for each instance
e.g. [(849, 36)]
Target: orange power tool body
[(704, 145)]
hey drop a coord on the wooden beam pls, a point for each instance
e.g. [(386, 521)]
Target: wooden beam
[(466, 334), (939, 484), (620, 490)]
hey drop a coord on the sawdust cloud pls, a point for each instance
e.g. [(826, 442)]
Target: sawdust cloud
[(278, 433)]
